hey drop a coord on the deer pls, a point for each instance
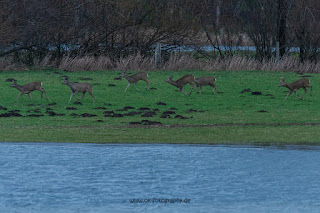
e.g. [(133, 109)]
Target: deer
[(27, 88), (294, 86), (135, 78), (204, 81), (78, 87), (180, 83)]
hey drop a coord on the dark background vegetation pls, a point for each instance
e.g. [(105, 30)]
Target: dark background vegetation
[(49, 31)]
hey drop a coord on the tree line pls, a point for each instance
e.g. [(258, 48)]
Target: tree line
[(32, 29)]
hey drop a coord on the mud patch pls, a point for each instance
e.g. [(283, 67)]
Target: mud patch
[(50, 113), (10, 114), (168, 113), (143, 108), (77, 103), (100, 108), (100, 121), (161, 103), (165, 116), (256, 93), (180, 117), (111, 85), (35, 115), (132, 113), (246, 90), (52, 104), (3, 108), (148, 114), (85, 79), (71, 108), (262, 111), (86, 115), (114, 115), (108, 112), (128, 107), (117, 78), (153, 88), (146, 122)]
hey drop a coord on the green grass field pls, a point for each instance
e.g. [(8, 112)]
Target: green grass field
[(233, 116)]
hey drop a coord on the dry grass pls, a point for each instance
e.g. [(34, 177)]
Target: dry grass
[(175, 62)]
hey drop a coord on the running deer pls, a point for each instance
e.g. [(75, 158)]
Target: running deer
[(180, 83), (78, 87), (27, 88), (204, 81), (294, 86), (135, 78)]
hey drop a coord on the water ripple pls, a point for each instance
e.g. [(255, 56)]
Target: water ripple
[(52, 177)]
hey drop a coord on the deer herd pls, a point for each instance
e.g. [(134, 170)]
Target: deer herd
[(180, 83)]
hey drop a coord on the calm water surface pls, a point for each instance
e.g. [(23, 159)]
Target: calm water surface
[(52, 177)]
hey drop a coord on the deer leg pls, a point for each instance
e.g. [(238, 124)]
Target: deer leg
[(310, 89), (288, 95), (18, 97), (295, 93), (127, 87), (135, 85), (43, 91), (71, 96), (147, 84), (90, 92), (181, 90), (200, 89), (305, 91), (30, 97), (191, 88), (82, 96)]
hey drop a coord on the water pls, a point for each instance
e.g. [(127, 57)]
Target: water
[(52, 177), (190, 48)]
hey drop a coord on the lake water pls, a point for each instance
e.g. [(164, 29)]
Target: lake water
[(63, 177)]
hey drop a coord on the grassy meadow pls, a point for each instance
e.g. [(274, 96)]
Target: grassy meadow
[(248, 109)]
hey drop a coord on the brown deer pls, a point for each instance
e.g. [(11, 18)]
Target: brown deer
[(27, 88), (204, 81), (135, 78), (78, 87), (180, 83), (294, 86)]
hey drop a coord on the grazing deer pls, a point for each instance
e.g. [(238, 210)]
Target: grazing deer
[(135, 78), (27, 88), (180, 83), (78, 87), (294, 86), (204, 81)]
